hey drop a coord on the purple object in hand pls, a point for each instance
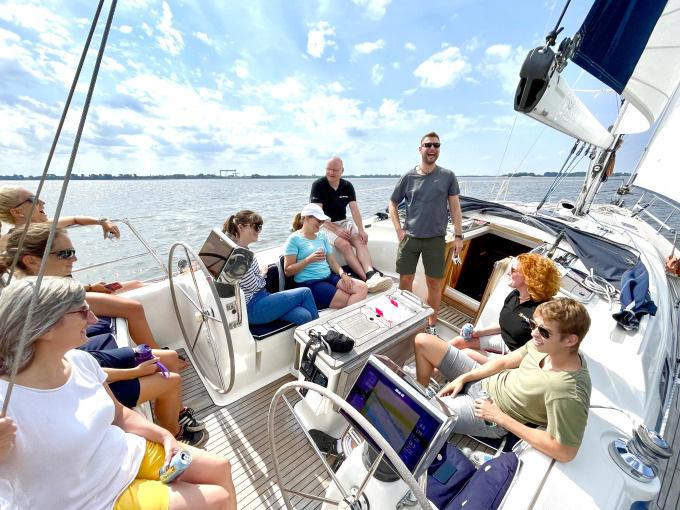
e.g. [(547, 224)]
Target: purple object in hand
[(143, 353)]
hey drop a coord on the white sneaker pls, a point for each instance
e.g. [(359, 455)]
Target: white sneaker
[(410, 369), (431, 330), (378, 283)]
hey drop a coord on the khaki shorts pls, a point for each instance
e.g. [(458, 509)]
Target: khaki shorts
[(346, 224), (432, 249)]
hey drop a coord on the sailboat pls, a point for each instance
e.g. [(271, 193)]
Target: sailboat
[(240, 376)]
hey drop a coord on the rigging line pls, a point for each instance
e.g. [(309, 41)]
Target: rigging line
[(507, 144), (57, 135), (563, 174), (552, 35), (564, 165), (528, 151), (560, 178), (500, 164), (74, 151)]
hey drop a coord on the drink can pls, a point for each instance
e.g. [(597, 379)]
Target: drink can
[(466, 331), (142, 353), (484, 395), (178, 464)]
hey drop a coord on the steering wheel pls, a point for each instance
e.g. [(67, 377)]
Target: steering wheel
[(351, 499), (206, 329)]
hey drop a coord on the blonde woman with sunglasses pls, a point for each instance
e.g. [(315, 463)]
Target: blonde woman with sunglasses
[(15, 209)]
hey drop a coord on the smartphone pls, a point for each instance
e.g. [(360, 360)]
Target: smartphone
[(444, 473), (113, 286)]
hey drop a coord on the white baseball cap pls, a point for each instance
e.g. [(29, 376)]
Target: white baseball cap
[(314, 210)]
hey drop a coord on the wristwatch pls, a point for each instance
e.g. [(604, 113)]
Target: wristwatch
[(458, 236), (101, 221)]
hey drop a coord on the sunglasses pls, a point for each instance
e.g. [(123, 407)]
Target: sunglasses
[(257, 227), (84, 311), (30, 200), (430, 145), (64, 254), (542, 330)]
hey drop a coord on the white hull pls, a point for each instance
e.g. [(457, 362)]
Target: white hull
[(626, 367)]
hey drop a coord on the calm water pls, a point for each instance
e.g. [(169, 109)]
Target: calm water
[(166, 211)]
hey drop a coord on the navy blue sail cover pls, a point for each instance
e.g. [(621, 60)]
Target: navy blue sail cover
[(613, 37), (607, 259)]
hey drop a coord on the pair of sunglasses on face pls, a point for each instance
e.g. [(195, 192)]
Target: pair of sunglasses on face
[(31, 200), (84, 311), (64, 254), (542, 330)]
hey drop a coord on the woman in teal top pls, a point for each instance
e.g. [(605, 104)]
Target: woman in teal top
[(308, 256)]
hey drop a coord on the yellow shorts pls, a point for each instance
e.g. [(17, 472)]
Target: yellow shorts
[(146, 492)]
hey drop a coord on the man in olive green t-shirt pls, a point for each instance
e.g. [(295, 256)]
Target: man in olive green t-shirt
[(545, 383)]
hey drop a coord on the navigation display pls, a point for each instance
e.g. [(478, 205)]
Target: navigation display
[(406, 425)]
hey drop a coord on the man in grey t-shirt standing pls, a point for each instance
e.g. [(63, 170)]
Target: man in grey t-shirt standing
[(428, 190)]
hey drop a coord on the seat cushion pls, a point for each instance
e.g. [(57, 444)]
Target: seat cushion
[(260, 331)]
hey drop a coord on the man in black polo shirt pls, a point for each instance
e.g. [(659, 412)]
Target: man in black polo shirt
[(334, 194)]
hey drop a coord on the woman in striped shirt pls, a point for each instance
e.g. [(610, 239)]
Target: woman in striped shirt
[(294, 305)]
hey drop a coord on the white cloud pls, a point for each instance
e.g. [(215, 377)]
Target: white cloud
[(369, 47), (503, 62), (290, 89), (461, 122), (49, 27), (334, 87), (240, 69), (377, 73), (499, 50), (125, 29), (317, 38), (112, 65), (396, 65), (471, 44), (442, 69), (410, 46), (147, 29), (375, 9), (171, 39), (202, 36)]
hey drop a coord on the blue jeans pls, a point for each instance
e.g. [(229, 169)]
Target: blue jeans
[(294, 305)]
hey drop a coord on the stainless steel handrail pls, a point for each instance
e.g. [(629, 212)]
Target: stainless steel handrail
[(149, 250)]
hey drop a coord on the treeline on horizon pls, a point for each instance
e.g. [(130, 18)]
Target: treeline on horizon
[(108, 177)]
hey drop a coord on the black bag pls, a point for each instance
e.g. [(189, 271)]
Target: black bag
[(338, 342)]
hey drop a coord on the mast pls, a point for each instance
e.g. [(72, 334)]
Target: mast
[(597, 168)]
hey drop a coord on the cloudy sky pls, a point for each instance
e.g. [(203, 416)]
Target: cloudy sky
[(277, 87)]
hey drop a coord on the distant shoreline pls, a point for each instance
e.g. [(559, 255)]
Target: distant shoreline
[(135, 177)]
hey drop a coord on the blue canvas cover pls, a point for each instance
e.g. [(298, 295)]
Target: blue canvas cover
[(606, 258), (613, 37)]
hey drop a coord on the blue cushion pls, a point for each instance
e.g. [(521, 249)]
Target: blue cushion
[(260, 331)]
